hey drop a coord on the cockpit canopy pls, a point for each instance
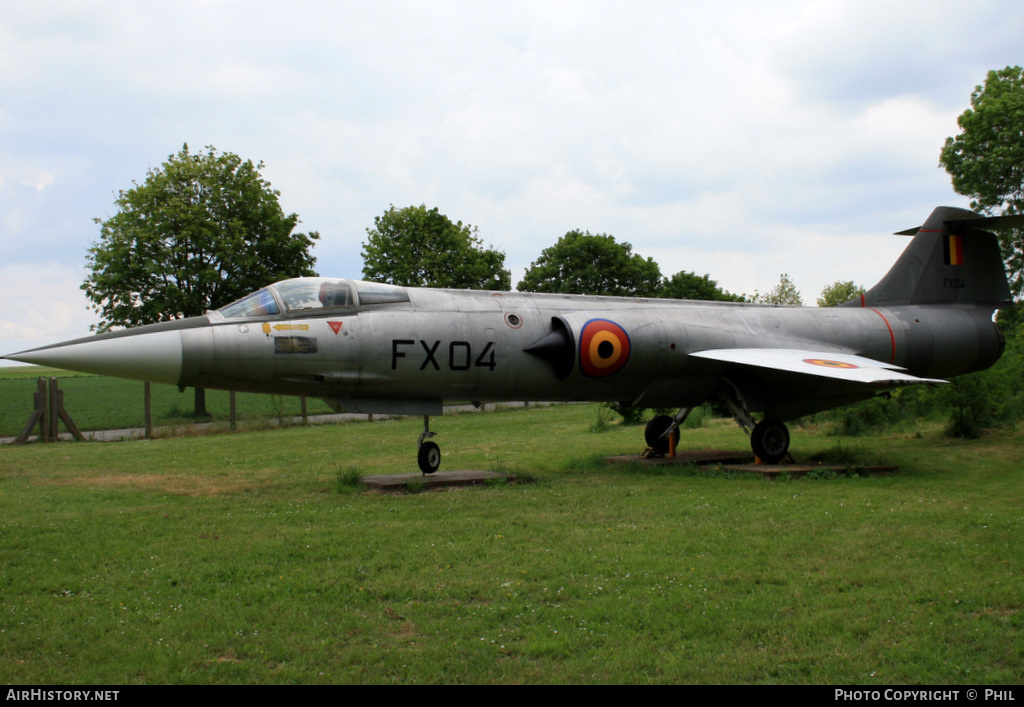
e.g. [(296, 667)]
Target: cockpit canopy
[(307, 296)]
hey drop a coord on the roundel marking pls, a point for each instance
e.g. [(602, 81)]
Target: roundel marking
[(604, 348), (829, 363)]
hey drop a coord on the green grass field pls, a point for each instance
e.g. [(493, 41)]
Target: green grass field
[(248, 558)]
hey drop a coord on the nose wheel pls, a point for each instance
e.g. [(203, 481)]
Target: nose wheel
[(429, 457), (429, 454)]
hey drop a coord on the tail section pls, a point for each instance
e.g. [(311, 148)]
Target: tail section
[(951, 260)]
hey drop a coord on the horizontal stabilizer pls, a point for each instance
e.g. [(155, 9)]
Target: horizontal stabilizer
[(975, 221), (825, 364)]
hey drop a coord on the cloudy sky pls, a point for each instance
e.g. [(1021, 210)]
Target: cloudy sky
[(738, 139)]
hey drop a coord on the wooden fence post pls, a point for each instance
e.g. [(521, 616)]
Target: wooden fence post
[(147, 397), (38, 415), (57, 411), (48, 404), (51, 431)]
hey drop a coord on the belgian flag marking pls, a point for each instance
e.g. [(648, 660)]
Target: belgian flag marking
[(953, 249), (604, 348)]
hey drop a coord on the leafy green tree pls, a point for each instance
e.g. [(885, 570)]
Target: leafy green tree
[(421, 247), (987, 399), (586, 264), (783, 293), (201, 231), (839, 292), (986, 160), (1009, 319), (689, 285)]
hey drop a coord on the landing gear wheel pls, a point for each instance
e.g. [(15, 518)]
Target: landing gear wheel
[(770, 441), (429, 457), (654, 431)]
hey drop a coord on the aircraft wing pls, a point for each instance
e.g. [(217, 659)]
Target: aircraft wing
[(825, 364)]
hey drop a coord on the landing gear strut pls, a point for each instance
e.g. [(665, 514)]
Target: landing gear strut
[(662, 432), (657, 434), (769, 439), (429, 454)]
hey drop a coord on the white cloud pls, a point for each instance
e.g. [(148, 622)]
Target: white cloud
[(42, 304), (739, 139)]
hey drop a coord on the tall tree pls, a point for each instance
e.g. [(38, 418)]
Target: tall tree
[(783, 293), (986, 160), (201, 231), (582, 263), (421, 247), (839, 292), (585, 264), (688, 285)]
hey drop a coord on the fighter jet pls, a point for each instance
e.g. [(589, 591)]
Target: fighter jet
[(372, 348)]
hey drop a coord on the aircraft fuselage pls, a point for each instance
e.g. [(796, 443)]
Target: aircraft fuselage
[(467, 345), (372, 348)]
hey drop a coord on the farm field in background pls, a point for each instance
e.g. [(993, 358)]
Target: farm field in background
[(102, 403)]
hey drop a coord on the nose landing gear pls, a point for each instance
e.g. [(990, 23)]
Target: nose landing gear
[(429, 454)]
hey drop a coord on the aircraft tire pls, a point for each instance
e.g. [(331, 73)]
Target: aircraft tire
[(429, 457), (655, 428), (770, 441)]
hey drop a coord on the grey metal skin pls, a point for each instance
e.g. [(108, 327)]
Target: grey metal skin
[(371, 348)]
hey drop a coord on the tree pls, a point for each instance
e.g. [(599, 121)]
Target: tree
[(418, 247), (839, 292), (986, 160), (586, 264), (688, 285), (783, 293), (201, 231)]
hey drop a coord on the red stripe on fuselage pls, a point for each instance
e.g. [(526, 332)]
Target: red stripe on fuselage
[(892, 336)]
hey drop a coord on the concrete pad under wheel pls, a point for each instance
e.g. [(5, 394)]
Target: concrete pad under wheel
[(690, 456), (736, 461), (438, 480), (770, 471)]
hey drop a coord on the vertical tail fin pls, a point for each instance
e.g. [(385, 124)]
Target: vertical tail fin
[(950, 260)]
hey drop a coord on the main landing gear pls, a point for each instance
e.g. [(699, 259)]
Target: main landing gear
[(662, 432), (769, 439), (429, 454)]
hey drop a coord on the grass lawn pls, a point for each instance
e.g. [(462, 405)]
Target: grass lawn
[(246, 558)]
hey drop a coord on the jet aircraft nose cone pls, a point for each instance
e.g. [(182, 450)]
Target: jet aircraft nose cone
[(153, 356)]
